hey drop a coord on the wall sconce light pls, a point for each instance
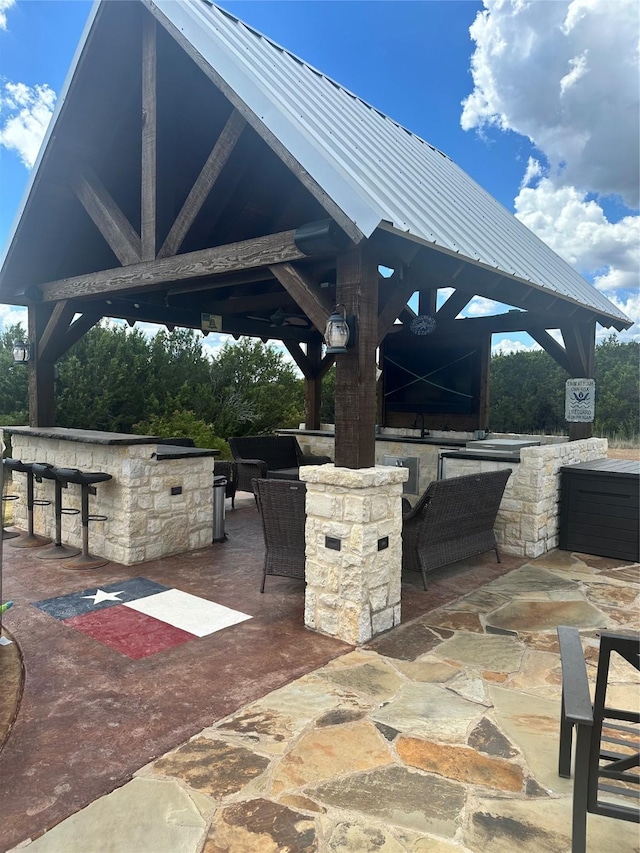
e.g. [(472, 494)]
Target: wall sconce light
[(21, 352), (339, 333)]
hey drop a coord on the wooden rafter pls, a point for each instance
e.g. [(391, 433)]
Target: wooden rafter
[(328, 204), (205, 181), (454, 305), (394, 305), (557, 352), (149, 134), (304, 292), (233, 257), (110, 221), (55, 330)]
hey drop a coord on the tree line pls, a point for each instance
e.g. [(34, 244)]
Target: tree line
[(120, 380)]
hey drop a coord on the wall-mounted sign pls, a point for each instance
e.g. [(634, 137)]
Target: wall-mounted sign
[(211, 322), (580, 400)]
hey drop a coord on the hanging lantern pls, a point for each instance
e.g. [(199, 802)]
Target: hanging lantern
[(21, 352), (338, 334)]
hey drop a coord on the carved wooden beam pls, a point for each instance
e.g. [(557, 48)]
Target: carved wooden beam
[(233, 257), (149, 132), (204, 184), (107, 216), (304, 292)]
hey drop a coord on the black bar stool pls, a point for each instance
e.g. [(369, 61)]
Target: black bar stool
[(28, 539), (87, 481), (55, 551), (8, 534)]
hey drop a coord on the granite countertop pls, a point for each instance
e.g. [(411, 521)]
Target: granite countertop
[(86, 436)]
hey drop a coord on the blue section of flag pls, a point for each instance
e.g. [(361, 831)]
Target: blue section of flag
[(79, 603)]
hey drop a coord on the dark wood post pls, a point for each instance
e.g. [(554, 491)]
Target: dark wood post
[(355, 394), (580, 344), (41, 371), (313, 386)]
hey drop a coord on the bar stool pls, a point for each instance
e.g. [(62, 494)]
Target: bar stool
[(28, 539), (86, 480), (8, 534), (55, 551)]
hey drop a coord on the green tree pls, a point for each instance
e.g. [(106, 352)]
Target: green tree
[(14, 380), (527, 393), (617, 388), (180, 374), (184, 424), (254, 389), (104, 381)]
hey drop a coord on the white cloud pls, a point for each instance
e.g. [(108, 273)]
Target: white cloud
[(507, 346), (579, 231), (10, 315), (25, 113), (5, 5), (564, 74)]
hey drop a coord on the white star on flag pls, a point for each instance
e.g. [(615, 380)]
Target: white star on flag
[(100, 595)]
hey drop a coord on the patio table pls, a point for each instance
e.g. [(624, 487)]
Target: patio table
[(284, 474)]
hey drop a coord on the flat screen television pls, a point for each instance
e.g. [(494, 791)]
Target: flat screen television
[(430, 375)]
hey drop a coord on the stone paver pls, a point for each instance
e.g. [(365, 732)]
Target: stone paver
[(145, 815), (438, 737)]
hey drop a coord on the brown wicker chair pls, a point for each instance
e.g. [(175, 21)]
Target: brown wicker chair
[(282, 510), (452, 520), (255, 455)]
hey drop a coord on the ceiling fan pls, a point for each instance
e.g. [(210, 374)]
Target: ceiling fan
[(280, 317)]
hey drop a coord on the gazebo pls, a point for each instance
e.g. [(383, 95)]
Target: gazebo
[(196, 174)]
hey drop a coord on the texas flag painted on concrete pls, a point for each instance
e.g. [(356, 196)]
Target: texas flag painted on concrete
[(139, 617)]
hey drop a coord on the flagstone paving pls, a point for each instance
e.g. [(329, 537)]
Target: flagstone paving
[(438, 737)]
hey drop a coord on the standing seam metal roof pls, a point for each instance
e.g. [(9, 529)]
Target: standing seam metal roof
[(374, 169)]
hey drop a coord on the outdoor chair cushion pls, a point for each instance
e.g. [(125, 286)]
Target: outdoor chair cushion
[(452, 520)]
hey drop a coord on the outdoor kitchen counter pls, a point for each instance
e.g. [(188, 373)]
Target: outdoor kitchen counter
[(158, 502)]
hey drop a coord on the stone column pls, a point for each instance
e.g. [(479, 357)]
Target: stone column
[(354, 550)]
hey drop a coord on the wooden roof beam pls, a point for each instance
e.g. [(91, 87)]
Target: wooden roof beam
[(55, 330), (149, 138), (450, 309), (304, 292), (557, 352), (395, 304), (110, 221), (272, 249), (205, 181)]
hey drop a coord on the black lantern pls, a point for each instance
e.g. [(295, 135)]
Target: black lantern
[(21, 352), (339, 332)]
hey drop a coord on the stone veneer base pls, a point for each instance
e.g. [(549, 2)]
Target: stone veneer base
[(353, 550)]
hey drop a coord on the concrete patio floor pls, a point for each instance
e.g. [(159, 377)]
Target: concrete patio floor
[(439, 736)]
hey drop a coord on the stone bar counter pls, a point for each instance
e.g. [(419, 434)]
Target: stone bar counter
[(528, 520), (158, 502)]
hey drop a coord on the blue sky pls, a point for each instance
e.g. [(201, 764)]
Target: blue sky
[(538, 103)]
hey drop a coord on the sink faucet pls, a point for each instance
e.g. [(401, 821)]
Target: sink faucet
[(420, 417)]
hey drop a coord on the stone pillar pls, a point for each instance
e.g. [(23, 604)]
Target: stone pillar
[(354, 550)]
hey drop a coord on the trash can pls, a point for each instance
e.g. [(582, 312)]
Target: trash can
[(219, 495)]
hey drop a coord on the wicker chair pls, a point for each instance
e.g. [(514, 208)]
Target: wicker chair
[(452, 520), (255, 455), (282, 510)]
